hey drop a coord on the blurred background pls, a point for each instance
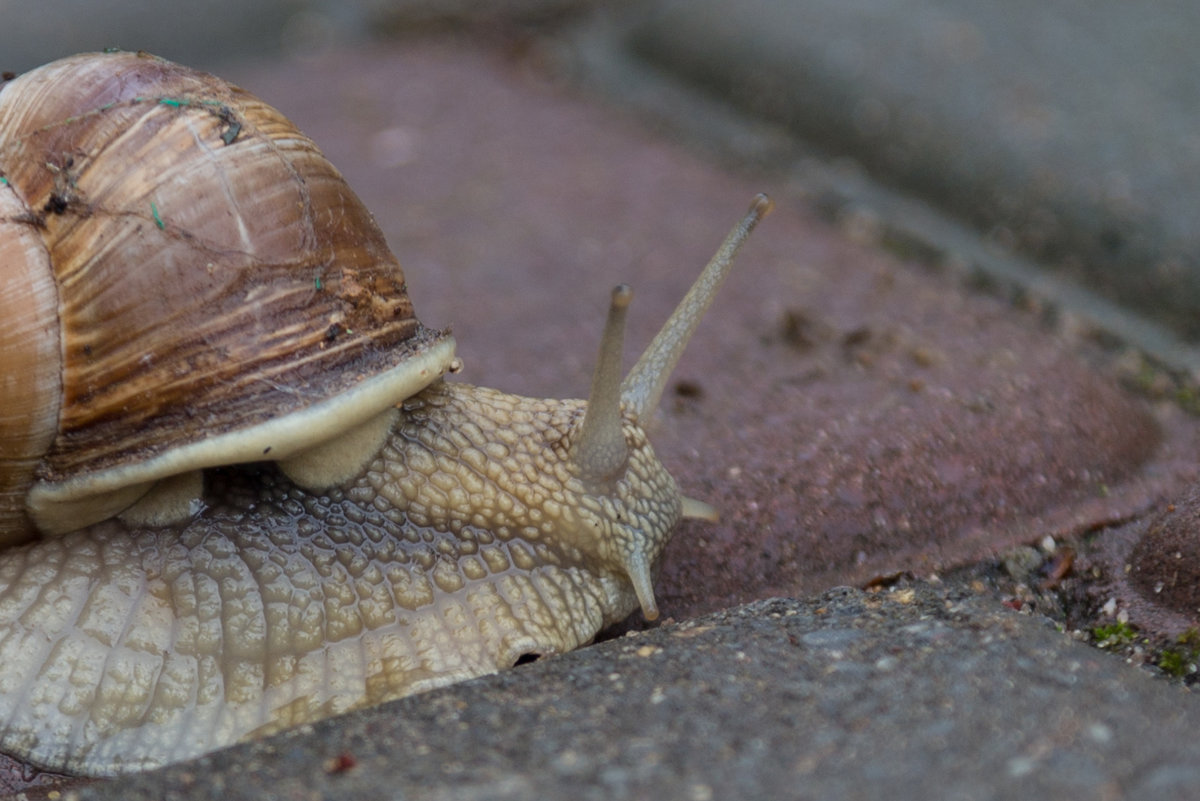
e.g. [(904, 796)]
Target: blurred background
[(1057, 144), (206, 33)]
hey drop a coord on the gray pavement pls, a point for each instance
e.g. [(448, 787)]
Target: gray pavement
[(1064, 131), (1058, 136), (914, 693)]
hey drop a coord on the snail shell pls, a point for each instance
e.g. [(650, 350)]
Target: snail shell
[(188, 283), (218, 349)]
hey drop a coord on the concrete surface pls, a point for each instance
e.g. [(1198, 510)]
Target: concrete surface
[(1064, 130), (855, 411), (208, 33), (200, 33), (914, 693)]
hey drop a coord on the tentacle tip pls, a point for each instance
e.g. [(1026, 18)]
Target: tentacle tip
[(699, 510), (643, 585), (762, 205), (622, 294)]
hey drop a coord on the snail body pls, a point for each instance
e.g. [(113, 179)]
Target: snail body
[(274, 538)]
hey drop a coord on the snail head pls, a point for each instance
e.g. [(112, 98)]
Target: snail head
[(630, 502)]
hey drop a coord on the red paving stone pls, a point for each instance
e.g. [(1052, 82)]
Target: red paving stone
[(850, 414)]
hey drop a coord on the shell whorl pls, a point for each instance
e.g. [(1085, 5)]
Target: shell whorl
[(32, 364)]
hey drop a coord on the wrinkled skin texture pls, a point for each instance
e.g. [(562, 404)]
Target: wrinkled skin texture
[(468, 542)]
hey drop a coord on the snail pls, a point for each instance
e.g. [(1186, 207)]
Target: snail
[(237, 493)]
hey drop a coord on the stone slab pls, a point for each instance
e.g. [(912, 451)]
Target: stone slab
[(913, 693), (851, 414), (1065, 131)]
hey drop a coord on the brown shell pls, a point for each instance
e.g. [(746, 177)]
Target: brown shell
[(205, 271)]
